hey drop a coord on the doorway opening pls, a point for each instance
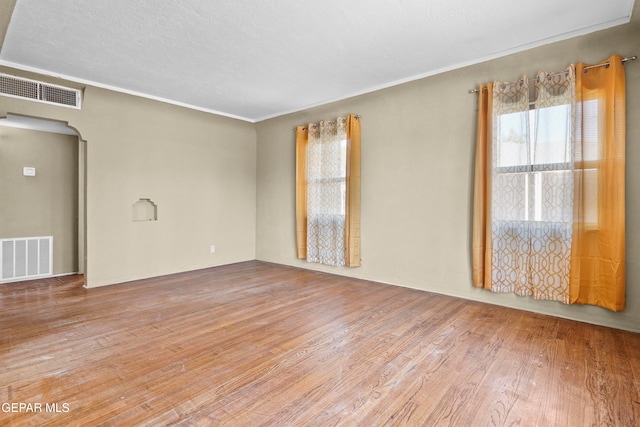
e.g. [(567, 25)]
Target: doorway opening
[(43, 188)]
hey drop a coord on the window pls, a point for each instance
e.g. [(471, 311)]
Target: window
[(549, 208), (328, 192), (327, 178), (534, 166)]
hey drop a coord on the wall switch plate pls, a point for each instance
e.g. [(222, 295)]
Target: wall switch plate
[(28, 171), (212, 248)]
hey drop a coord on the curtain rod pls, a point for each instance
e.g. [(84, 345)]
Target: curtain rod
[(604, 64), (357, 116)]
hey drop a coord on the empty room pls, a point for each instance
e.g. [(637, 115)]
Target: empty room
[(319, 213)]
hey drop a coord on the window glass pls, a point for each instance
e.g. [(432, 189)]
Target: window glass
[(535, 167), (327, 177)]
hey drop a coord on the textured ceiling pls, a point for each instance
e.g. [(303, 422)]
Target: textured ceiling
[(256, 59)]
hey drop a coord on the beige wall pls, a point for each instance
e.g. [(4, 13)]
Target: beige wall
[(200, 170), (46, 204), (417, 169)]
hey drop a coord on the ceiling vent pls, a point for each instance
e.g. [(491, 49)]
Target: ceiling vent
[(18, 87)]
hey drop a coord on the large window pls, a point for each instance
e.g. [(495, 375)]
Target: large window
[(549, 215)]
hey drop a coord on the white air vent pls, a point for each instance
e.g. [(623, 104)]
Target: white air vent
[(26, 258), (18, 87)]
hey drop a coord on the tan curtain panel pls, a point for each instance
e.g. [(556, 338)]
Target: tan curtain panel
[(481, 244), (549, 206), (328, 192), (352, 231), (598, 257), (302, 140)]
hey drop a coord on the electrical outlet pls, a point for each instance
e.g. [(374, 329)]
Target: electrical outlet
[(212, 248)]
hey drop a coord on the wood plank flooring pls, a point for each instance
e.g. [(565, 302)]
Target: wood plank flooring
[(257, 344)]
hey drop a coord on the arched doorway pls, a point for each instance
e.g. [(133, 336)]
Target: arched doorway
[(42, 184)]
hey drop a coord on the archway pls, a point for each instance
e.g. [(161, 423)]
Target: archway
[(54, 192)]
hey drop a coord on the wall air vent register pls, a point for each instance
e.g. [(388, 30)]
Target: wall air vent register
[(25, 258), (18, 87)]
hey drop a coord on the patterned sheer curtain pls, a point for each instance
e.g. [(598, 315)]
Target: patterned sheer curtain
[(532, 194), (328, 192), (549, 186)]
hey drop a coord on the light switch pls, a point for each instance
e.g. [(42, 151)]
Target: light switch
[(28, 171)]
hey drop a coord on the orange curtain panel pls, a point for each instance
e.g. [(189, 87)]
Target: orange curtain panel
[(302, 140), (598, 248), (481, 192), (352, 229)]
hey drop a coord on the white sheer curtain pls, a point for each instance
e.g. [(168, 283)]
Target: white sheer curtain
[(326, 175), (532, 185)]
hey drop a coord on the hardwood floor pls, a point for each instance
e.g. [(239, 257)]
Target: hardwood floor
[(255, 344)]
